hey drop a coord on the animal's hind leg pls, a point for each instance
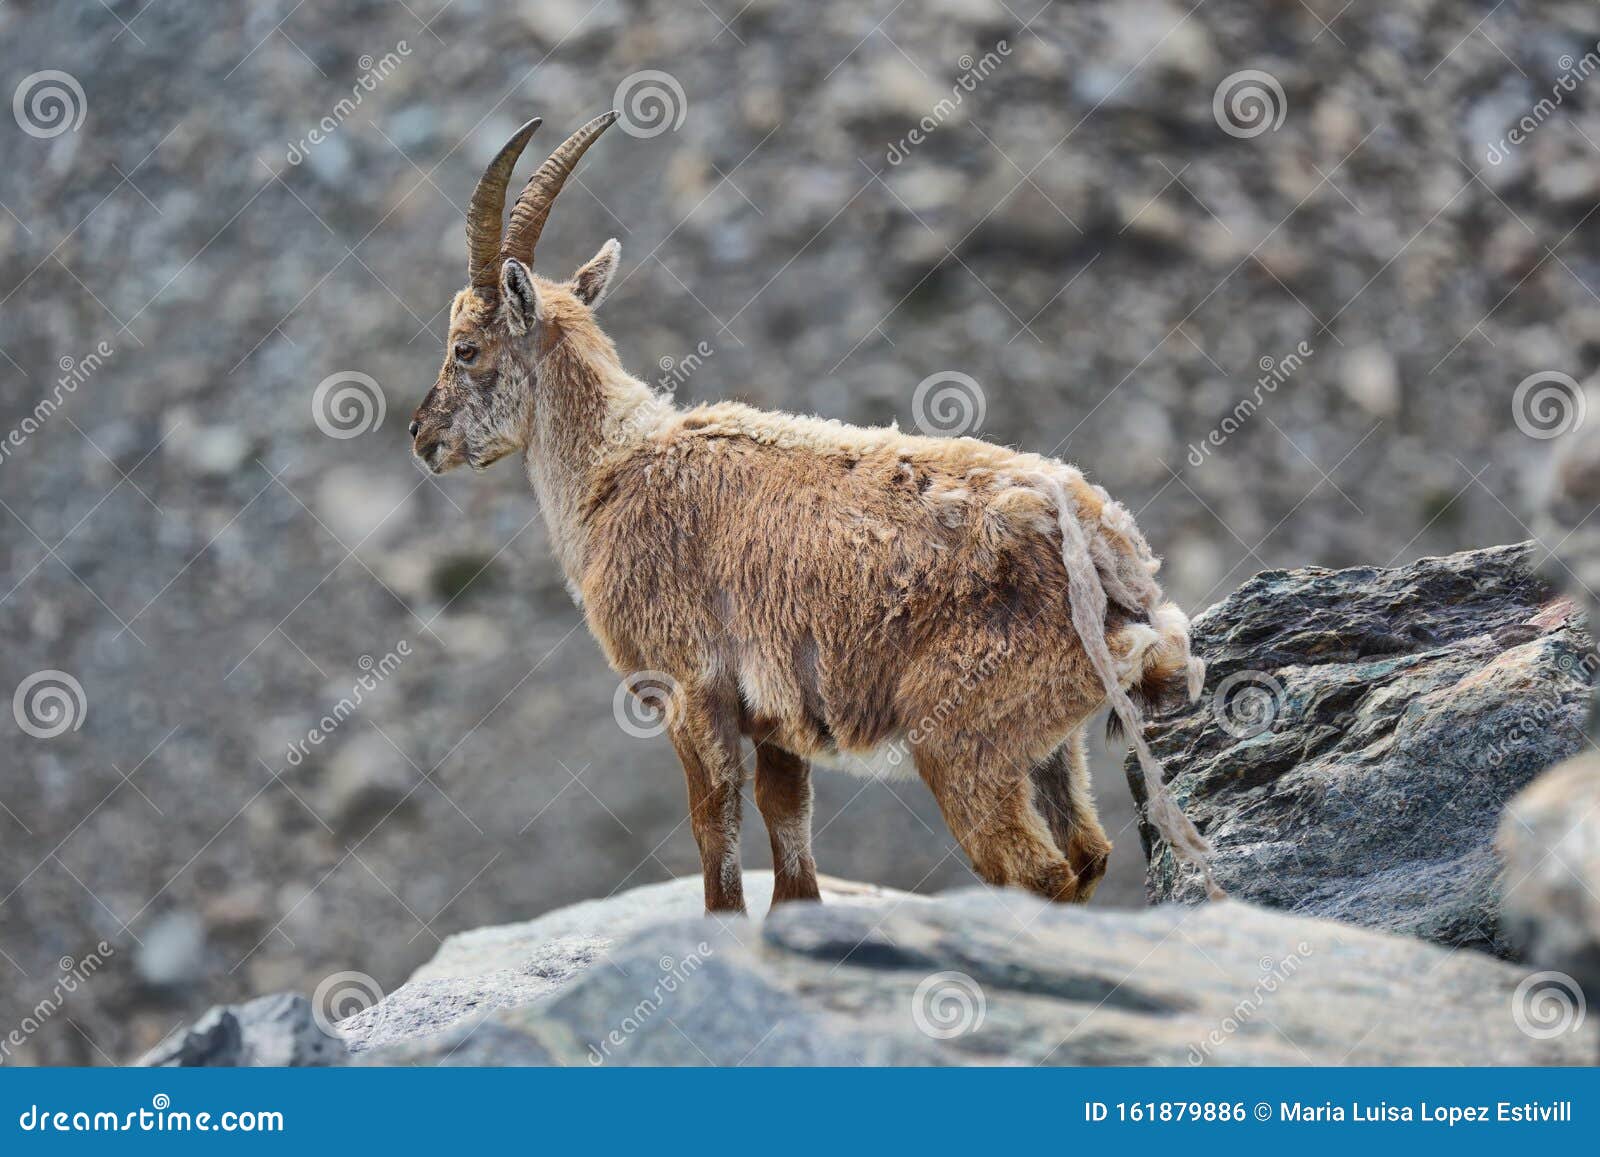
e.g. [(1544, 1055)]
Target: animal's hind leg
[(989, 806), (1062, 793), (783, 793), (704, 728)]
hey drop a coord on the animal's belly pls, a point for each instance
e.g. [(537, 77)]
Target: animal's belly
[(888, 761)]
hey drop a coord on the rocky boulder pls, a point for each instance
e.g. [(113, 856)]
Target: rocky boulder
[(1361, 731), (271, 1031), (1550, 841), (974, 977), (873, 977), (476, 972)]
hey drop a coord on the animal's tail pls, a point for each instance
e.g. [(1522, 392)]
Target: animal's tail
[(1158, 654), (1157, 669)]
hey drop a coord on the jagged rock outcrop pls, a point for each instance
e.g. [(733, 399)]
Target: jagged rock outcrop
[(1361, 731), (270, 1031)]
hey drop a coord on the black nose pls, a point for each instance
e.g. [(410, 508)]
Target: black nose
[(413, 429)]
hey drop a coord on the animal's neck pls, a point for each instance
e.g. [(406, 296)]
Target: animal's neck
[(587, 410)]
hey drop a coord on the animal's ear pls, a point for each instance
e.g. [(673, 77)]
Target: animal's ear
[(591, 282), (519, 300)]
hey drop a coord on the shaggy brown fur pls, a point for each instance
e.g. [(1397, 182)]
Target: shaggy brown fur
[(825, 590)]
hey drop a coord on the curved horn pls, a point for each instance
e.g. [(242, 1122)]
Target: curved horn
[(533, 206), (485, 209)]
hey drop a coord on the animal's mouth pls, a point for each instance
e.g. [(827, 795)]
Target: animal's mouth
[(435, 456)]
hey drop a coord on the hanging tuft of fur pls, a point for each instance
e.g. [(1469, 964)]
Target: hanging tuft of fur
[(1088, 594)]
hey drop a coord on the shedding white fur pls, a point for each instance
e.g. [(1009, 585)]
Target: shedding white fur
[(1087, 568)]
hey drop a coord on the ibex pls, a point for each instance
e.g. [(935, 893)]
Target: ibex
[(825, 590)]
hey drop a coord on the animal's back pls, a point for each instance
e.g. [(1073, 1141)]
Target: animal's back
[(847, 580)]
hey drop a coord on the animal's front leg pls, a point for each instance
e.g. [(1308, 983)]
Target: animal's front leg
[(783, 793), (1062, 795), (705, 732)]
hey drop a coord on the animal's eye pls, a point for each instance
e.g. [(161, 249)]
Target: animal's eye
[(465, 353)]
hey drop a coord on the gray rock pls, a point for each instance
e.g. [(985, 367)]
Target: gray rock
[(1371, 380), (278, 1030), (207, 451), (421, 1007), (367, 780), (1565, 483), (988, 977), (174, 950), (1361, 731), (473, 973), (1550, 841), (517, 946)]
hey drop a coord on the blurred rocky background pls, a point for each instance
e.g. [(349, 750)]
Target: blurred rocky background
[(1302, 282)]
